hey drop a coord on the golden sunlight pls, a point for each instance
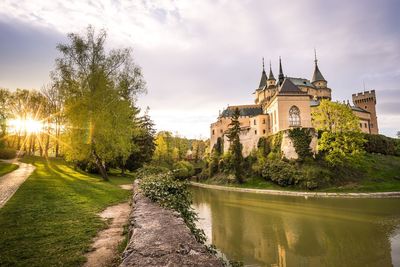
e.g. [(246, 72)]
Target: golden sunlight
[(27, 125)]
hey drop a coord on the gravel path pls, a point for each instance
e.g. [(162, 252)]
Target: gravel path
[(10, 182)]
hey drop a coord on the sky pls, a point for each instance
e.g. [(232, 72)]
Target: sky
[(200, 56)]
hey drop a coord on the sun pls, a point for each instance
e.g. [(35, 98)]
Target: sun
[(28, 125)]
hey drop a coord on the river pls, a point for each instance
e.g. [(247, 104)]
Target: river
[(266, 230)]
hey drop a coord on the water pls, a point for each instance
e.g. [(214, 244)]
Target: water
[(264, 230)]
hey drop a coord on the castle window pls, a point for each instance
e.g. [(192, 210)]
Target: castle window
[(213, 132), (372, 125), (294, 116), (255, 131), (263, 121), (263, 131), (360, 125), (365, 125), (255, 122), (365, 107), (220, 131)]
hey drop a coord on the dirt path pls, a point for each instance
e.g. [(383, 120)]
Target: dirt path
[(105, 245), (10, 182)]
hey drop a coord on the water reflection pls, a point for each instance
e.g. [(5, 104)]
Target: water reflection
[(264, 230)]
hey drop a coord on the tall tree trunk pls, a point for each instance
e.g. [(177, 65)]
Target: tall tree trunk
[(100, 165)]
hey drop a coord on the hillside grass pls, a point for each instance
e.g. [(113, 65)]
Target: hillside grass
[(52, 218), (7, 168), (375, 173)]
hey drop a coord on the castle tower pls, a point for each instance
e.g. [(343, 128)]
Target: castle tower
[(264, 78), (281, 77), (318, 79), (367, 101), (271, 79)]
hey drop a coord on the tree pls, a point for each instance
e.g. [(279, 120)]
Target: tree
[(398, 134), (99, 90), (334, 117), (342, 141), (235, 148), (142, 144), (4, 114)]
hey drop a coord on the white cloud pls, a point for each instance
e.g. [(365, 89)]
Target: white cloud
[(200, 55)]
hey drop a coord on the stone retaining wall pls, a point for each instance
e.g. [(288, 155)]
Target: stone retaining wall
[(159, 237), (300, 194)]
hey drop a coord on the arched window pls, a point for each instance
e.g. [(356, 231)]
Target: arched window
[(294, 116)]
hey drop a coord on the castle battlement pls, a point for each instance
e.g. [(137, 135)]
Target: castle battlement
[(364, 94)]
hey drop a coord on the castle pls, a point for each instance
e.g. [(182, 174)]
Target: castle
[(287, 103)]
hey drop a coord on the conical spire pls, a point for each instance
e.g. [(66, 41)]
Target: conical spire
[(264, 78), (281, 77), (271, 75), (317, 76)]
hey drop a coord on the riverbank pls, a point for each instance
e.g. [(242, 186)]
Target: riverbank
[(299, 193), (160, 237)]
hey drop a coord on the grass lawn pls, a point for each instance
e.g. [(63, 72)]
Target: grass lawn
[(7, 167), (52, 218), (379, 173)]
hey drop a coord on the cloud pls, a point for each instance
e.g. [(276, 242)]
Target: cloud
[(198, 56)]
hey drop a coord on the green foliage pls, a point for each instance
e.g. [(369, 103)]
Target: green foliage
[(235, 149), (381, 144), (340, 149), (301, 138), (280, 172), (183, 169), (99, 89), (143, 144), (173, 194), (334, 117), (7, 153), (275, 142)]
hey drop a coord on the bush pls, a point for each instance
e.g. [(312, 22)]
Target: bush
[(381, 144), (173, 194), (6, 153), (147, 170), (183, 169), (280, 172)]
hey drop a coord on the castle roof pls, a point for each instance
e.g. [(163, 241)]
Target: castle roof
[(317, 76), (289, 88), (271, 75), (245, 110), (264, 78), (301, 82)]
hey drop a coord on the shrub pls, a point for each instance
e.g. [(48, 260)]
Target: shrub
[(173, 194), (341, 149), (147, 170), (6, 153), (381, 144), (280, 172), (183, 169)]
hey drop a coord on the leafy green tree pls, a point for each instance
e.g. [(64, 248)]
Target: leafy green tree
[(334, 117), (99, 90), (235, 148), (342, 141), (4, 114)]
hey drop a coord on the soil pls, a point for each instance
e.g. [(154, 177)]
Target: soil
[(105, 245)]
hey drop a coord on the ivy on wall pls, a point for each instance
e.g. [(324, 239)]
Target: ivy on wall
[(301, 138)]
